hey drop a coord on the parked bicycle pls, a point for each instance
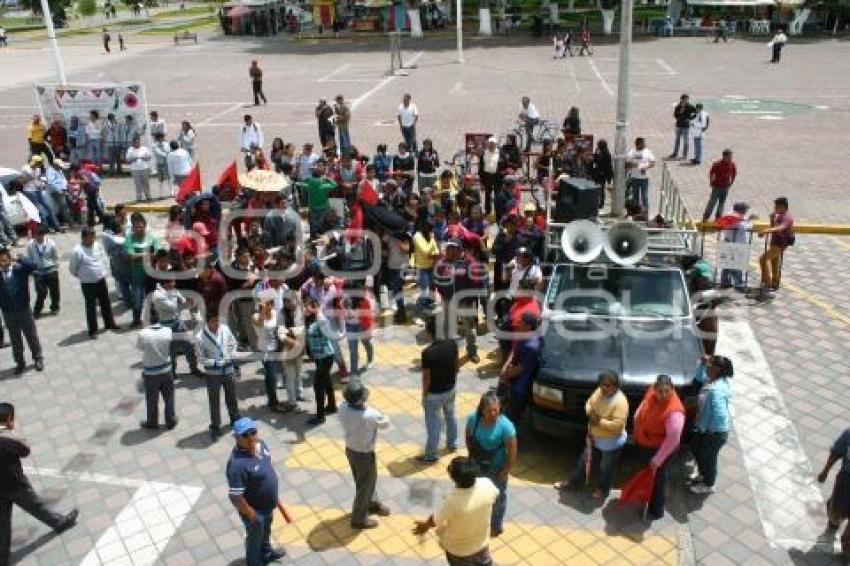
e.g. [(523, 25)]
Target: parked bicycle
[(541, 131)]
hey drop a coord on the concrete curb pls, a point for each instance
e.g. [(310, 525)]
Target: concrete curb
[(799, 228), (807, 228)]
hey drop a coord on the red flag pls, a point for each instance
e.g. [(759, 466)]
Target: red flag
[(639, 487), (368, 194), (229, 177), (356, 223), (728, 221), (191, 184), (283, 511)]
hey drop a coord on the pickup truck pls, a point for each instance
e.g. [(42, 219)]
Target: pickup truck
[(634, 320)]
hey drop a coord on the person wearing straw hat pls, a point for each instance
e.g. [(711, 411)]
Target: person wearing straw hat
[(360, 425)]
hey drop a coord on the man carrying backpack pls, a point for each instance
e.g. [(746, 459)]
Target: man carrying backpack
[(781, 233)]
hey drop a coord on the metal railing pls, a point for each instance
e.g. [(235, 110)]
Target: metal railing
[(671, 205)]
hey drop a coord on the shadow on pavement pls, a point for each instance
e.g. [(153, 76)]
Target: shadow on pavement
[(19, 554), (816, 556), (197, 441), (9, 374), (74, 339), (625, 521), (138, 436), (332, 533)]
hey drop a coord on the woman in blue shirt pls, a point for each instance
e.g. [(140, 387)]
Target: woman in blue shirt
[(491, 442), (713, 420)]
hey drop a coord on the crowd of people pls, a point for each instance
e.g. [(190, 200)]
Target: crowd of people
[(218, 286)]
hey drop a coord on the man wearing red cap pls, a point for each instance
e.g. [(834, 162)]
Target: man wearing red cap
[(257, 83)]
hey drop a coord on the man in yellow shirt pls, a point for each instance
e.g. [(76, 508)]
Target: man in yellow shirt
[(463, 523), (36, 135)]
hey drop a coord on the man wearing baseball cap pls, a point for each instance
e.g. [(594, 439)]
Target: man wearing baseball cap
[(460, 280), (252, 483)]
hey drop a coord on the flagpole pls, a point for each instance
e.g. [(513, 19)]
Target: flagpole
[(54, 45)]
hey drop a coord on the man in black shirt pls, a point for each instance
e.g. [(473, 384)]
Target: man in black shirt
[(16, 489), (440, 364), (683, 113)]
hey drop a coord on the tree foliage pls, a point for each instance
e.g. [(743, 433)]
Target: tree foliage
[(87, 7)]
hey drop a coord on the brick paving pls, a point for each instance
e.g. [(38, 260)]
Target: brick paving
[(81, 414)]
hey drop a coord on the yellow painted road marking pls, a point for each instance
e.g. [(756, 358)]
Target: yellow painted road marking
[(324, 529), (397, 459), (392, 353), (408, 401), (841, 242), (810, 298)]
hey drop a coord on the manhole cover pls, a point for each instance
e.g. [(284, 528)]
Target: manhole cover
[(758, 107)]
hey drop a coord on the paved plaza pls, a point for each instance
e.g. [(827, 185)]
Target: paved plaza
[(161, 497)]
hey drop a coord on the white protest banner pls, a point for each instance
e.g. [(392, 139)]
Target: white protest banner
[(733, 255), (67, 101)]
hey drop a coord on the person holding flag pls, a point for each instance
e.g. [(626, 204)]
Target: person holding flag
[(607, 410), (659, 421)]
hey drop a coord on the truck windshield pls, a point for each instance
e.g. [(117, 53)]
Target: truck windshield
[(618, 291)]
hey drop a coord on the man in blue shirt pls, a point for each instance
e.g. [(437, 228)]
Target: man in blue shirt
[(15, 305), (521, 367), (838, 507), (252, 483)]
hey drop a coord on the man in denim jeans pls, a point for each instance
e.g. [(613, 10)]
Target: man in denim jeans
[(252, 483), (683, 113), (440, 364)]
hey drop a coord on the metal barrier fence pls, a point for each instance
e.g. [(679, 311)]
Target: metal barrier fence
[(671, 205)]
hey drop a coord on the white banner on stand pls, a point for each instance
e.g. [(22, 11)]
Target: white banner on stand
[(67, 101)]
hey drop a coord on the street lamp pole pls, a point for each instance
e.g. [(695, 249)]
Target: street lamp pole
[(459, 22), (618, 202), (54, 45)]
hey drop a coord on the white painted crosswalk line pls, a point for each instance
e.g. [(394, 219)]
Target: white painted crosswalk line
[(789, 502), (144, 526)]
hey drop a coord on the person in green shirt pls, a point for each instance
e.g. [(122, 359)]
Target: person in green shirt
[(318, 188), (138, 244)]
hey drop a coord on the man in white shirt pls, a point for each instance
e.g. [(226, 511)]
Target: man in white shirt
[(215, 347), (699, 125), (157, 376), (408, 117), (360, 425), (158, 125), (305, 162), (490, 166), (777, 43), (526, 274), (463, 522), (179, 164), (88, 263), (169, 304), (250, 134), (638, 162), (139, 157), (529, 116)]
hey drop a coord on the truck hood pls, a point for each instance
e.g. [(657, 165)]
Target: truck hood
[(577, 350)]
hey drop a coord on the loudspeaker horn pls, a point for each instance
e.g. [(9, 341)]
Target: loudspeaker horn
[(582, 240), (625, 243)]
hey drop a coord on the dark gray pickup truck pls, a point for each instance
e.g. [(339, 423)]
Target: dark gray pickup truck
[(635, 320)]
